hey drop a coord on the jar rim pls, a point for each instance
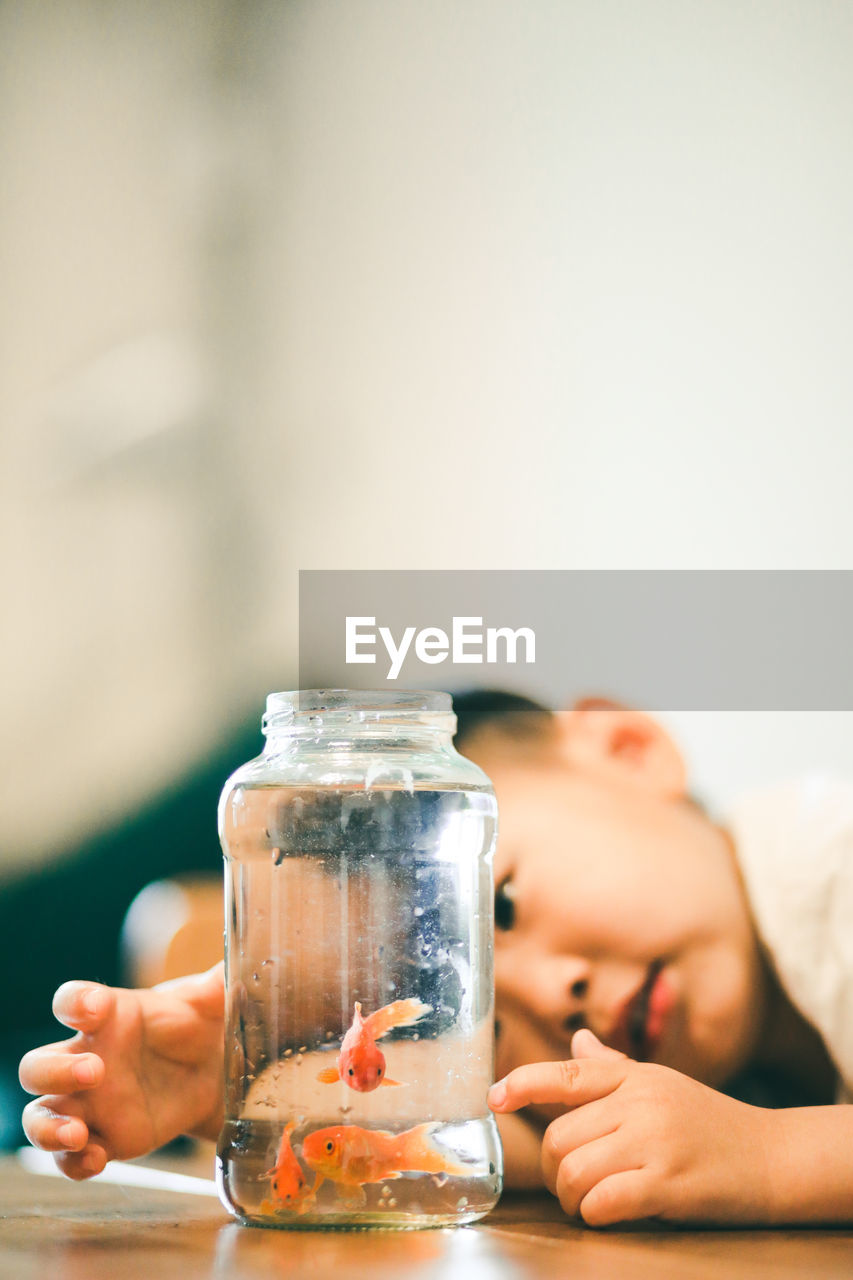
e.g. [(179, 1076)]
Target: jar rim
[(427, 707)]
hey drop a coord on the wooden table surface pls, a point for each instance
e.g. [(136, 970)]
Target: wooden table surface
[(52, 1229)]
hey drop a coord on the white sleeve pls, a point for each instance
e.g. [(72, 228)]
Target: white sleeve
[(795, 848)]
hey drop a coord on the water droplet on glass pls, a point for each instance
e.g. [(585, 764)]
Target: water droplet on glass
[(265, 964), (392, 1203), (416, 1036), (277, 856), (256, 977), (345, 1110), (418, 911)]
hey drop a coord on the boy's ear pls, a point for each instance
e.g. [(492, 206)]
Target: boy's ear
[(622, 745)]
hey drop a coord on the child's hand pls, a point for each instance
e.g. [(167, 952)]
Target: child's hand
[(639, 1140), (144, 1067)]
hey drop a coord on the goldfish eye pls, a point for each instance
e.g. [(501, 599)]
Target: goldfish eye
[(379, 1071), (330, 1146), (352, 1071)]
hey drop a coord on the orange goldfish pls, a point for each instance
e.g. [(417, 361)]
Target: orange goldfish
[(352, 1156), (287, 1181), (361, 1063)]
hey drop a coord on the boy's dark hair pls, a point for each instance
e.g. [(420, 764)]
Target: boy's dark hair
[(479, 710)]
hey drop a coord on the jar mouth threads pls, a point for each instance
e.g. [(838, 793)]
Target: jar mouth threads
[(312, 710)]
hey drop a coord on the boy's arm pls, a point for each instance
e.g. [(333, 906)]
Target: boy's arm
[(812, 1150), (637, 1140)]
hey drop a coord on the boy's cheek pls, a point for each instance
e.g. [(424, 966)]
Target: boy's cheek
[(519, 1041)]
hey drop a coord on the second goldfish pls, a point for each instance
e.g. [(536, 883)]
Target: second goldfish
[(352, 1156)]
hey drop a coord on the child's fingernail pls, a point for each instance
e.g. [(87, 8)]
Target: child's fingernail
[(92, 1162), (92, 1002), (84, 1072), (65, 1133), (497, 1094)]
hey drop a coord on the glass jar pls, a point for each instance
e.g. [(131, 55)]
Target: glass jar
[(359, 987)]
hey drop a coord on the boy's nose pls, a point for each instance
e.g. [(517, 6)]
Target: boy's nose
[(553, 989)]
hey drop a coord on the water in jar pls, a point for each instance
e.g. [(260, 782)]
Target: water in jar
[(358, 955)]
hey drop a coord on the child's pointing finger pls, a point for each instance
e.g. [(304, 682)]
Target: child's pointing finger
[(570, 1083)]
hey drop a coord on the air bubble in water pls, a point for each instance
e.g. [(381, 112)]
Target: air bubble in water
[(277, 856), (461, 1203)]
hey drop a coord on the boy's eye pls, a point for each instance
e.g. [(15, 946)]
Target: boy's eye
[(505, 904)]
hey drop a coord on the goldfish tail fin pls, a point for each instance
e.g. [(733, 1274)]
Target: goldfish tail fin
[(419, 1151), (329, 1076), (400, 1013), (282, 1146), (387, 1081)]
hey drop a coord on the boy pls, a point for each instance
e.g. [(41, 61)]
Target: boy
[(632, 985)]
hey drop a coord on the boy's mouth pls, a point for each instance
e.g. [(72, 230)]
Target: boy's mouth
[(634, 1023)]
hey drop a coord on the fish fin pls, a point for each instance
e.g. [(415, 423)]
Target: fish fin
[(420, 1151), (329, 1075), (354, 1197), (400, 1013), (387, 1081)]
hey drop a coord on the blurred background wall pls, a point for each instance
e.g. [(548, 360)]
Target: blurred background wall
[(380, 283)]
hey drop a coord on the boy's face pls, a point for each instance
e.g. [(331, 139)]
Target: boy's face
[(619, 907)]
